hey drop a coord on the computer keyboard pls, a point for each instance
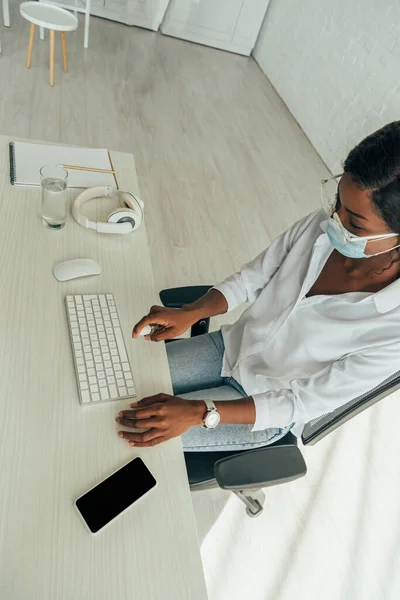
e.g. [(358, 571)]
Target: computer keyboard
[(102, 365)]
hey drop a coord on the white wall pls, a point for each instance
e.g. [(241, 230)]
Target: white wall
[(336, 65)]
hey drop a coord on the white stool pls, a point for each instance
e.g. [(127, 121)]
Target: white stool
[(53, 18)]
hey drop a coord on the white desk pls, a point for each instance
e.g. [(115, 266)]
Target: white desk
[(52, 449)]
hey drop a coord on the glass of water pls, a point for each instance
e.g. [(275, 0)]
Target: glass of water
[(54, 196)]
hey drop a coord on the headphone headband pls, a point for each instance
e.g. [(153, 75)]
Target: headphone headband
[(125, 199)]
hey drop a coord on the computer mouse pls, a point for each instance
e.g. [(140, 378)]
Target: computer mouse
[(79, 267)]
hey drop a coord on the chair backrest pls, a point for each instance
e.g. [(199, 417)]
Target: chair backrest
[(317, 429)]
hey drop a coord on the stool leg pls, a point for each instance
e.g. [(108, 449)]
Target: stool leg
[(87, 19), (51, 57), (6, 14), (30, 46), (64, 51)]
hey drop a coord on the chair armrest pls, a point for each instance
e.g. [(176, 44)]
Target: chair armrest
[(176, 297), (261, 467)]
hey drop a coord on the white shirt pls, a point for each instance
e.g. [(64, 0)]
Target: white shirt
[(300, 358)]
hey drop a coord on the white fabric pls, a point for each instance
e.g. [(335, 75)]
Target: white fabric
[(298, 357)]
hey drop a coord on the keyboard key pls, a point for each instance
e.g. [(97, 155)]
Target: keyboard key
[(96, 352), (115, 359), (78, 353), (126, 368), (122, 391), (76, 338), (120, 378), (82, 377), (95, 345), (113, 391), (104, 393), (97, 359), (109, 330), (91, 372), (92, 380), (117, 367), (81, 369), (99, 367), (80, 361), (111, 380), (120, 343), (129, 382), (102, 383), (113, 352), (78, 299), (107, 364), (94, 388), (109, 372), (106, 355), (131, 391), (84, 385), (95, 397), (85, 397)]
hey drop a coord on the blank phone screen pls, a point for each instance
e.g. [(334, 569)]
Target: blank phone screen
[(113, 495)]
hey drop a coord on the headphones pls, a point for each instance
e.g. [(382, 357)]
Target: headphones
[(123, 220)]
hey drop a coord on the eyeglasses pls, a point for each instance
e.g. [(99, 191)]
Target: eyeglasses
[(329, 188), (329, 191)]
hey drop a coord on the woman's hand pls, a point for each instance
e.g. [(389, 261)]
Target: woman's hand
[(168, 322), (163, 416)]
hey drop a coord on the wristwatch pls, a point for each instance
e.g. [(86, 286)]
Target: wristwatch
[(211, 417)]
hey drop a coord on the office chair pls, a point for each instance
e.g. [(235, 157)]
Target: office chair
[(245, 472)]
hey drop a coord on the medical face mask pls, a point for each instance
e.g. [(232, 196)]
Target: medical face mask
[(348, 244)]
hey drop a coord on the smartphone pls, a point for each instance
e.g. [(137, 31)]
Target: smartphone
[(109, 499)]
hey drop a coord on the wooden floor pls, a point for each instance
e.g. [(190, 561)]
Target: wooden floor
[(223, 169)]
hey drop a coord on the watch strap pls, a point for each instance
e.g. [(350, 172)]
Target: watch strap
[(210, 405)]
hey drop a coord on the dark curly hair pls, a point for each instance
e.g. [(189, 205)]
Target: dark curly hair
[(374, 164)]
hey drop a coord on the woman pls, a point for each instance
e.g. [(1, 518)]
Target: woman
[(323, 325)]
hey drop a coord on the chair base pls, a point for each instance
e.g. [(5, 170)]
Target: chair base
[(253, 500)]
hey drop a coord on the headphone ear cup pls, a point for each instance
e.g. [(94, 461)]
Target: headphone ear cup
[(124, 215)]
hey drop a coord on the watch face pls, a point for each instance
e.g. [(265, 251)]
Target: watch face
[(212, 419)]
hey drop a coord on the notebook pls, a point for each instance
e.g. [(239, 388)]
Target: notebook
[(26, 160)]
